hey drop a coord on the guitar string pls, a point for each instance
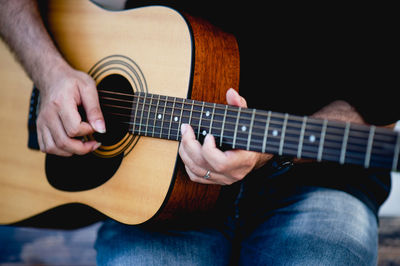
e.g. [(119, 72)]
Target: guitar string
[(215, 107), (327, 144), (340, 125), (288, 136), (309, 129), (292, 149), (363, 128)]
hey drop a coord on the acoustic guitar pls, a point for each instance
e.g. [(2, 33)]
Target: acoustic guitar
[(155, 69)]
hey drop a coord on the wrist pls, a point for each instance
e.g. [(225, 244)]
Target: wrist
[(52, 71)]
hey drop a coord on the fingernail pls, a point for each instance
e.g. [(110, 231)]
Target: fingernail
[(208, 140), (99, 126), (184, 128), (95, 147)]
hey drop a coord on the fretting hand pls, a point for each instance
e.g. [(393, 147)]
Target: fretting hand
[(209, 165)]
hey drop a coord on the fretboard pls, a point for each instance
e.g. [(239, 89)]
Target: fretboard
[(259, 130)]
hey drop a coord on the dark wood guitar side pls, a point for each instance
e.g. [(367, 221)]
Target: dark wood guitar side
[(216, 69)]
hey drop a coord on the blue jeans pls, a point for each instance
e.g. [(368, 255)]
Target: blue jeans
[(267, 225)]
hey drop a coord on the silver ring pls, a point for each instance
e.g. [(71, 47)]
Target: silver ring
[(207, 175)]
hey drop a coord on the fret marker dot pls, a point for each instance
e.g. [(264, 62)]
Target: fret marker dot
[(244, 128), (208, 113), (159, 116), (312, 138), (176, 119), (204, 132), (275, 133)]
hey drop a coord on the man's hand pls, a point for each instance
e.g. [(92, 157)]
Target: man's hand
[(225, 167), (59, 124), (62, 88)]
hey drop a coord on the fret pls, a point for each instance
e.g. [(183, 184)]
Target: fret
[(396, 153), (148, 113), (301, 139), (266, 131), (383, 148), (236, 127), (242, 126), (155, 115), (195, 116), (283, 134), (175, 119), (311, 137), (162, 116), (206, 121), (172, 116), (200, 118), (251, 129), (256, 130), (322, 139), (344, 143), (180, 119), (223, 126), (369, 147), (212, 119), (191, 112), (135, 116), (217, 121), (142, 113)]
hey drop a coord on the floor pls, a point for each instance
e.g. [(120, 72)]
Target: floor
[(389, 241), (27, 246)]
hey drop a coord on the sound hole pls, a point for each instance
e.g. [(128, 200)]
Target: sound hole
[(78, 173), (115, 95)]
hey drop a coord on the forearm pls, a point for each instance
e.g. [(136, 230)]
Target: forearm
[(22, 29)]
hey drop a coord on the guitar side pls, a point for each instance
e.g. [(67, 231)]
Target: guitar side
[(150, 183)]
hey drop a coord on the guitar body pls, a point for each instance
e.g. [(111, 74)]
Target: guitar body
[(150, 49)]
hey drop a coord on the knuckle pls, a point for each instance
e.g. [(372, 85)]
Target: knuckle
[(61, 143), (95, 112), (191, 176), (221, 167), (184, 141), (83, 150), (72, 131), (237, 177), (50, 149), (57, 103), (90, 82)]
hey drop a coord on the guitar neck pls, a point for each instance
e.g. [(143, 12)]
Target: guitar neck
[(258, 130)]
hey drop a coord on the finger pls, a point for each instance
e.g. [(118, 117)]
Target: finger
[(90, 101), (198, 179), (190, 144), (194, 168), (233, 98), (72, 121), (49, 145), (216, 158), (40, 140), (214, 178), (70, 145), (233, 165)]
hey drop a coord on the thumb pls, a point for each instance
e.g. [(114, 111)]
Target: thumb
[(90, 102), (233, 98)]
